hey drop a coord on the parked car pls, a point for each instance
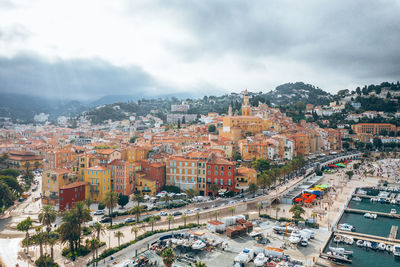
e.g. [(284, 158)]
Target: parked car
[(129, 220), (105, 220), (99, 212), (188, 211), (163, 213), (176, 213), (196, 210)]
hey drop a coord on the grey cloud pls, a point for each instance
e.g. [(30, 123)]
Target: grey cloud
[(354, 38), (71, 79), (13, 33)]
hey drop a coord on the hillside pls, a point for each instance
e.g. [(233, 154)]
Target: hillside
[(291, 93)]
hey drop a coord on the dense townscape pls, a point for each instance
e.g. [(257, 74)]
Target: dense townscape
[(70, 191)]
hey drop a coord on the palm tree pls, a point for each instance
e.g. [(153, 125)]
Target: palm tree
[(40, 239), (184, 218), (314, 216), (99, 229), (170, 219), (137, 210), (191, 193), (111, 201), (69, 231), (215, 213), (232, 209), (94, 244), (119, 235), (259, 206), (168, 257), (82, 214), (47, 216), (200, 264), (24, 226), (277, 209), (297, 211), (88, 202), (214, 188), (52, 241), (152, 220), (135, 229), (166, 198), (198, 217)]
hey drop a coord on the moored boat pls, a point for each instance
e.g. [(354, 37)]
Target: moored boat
[(382, 246), (341, 251), (346, 227), (360, 243), (357, 199)]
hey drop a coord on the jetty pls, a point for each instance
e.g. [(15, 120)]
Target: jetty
[(397, 216), (393, 232), (371, 238), (334, 258)]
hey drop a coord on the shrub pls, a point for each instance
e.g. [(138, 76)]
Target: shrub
[(266, 216), (87, 230), (283, 219), (101, 206), (45, 261)]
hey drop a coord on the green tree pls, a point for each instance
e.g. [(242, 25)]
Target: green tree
[(119, 235), (198, 217), (184, 218), (6, 195), (69, 231), (166, 198), (236, 156), (133, 139), (297, 211), (261, 165), (24, 226), (350, 174), (214, 188), (52, 240), (40, 239), (135, 229), (170, 220), (253, 189), (215, 213), (200, 264), (346, 145), (191, 193), (46, 217), (383, 132), (168, 257), (152, 220), (123, 200), (232, 210), (179, 123), (82, 214), (111, 201), (277, 209), (99, 229), (259, 207), (377, 142), (94, 244), (212, 128)]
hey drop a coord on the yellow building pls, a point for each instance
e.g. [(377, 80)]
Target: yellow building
[(146, 186), (52, 180), (132, 154), (99, 179), (244, 177), (23, 160)]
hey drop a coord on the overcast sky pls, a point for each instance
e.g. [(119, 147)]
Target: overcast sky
[(85, 49)]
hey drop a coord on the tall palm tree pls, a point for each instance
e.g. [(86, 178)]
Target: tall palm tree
[(170, 219), (99, 229), (191, 193), (259, 206), (277, 209), (168, 257), (137, 210), (40, 239), (214, 188), (198, 217), (82, 214), (184, 218), (200, 264), (314, 216), (69, 231), (166, 198), (88, 202), (46, 217), (135, 229), (24, 226), (152, 220), (215, 213), (111, 201), (232, 210), (119, 235), (52, 240), (94, 244)]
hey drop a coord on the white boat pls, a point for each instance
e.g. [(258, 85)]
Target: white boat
[(360, 243), (396, 250), (389, 248), (341, 251), (367, 244), (367, 215), (338, 238), (393, 211), (198, 244), (361, 192), (382, 246), (245, 256), (348, 240), (357, 198), (346, 227), (260, 260), (254, 234), (337, 255)]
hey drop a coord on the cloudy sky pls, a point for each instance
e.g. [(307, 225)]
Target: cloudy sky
[(87, 49)]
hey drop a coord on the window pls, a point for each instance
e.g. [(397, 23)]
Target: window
[(216, 168), (222, 182), (222, 173), (229, 167), (209, 167), (185, 163), (229, 182), (216, 181), (222, 168), (229, 173), (216, 173)]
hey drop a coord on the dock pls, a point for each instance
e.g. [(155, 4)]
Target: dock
[(334, 258), (393, 232), (371, 238), (397, 216)]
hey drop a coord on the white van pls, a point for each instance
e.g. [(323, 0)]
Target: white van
[(312, 233)]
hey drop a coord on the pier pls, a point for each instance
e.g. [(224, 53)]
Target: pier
[(393, 232), (334, 258), (397, 216), (371, 238)]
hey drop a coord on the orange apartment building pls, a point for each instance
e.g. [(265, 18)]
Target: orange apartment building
[(135, 153), (181, 172), (59, 158), (123, 176)]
